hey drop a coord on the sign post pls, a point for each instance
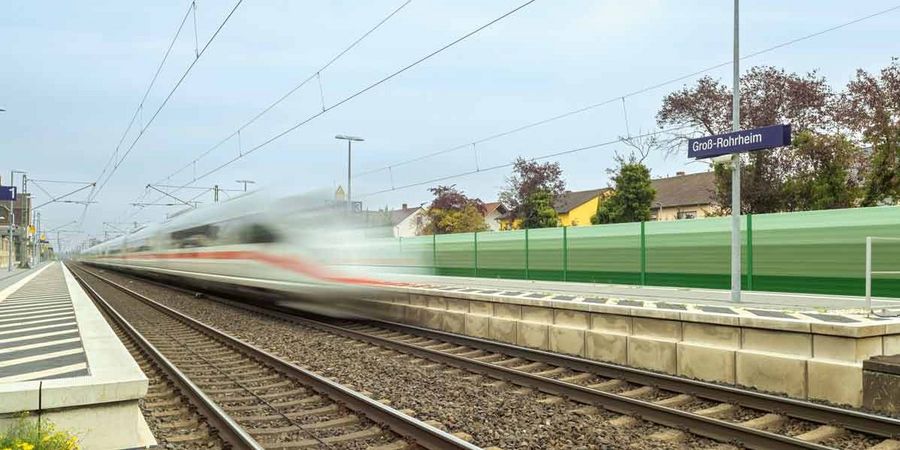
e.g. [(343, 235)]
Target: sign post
[(735, 143)]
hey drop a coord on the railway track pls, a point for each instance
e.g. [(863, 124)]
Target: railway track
[(749, 419), (248, 397)]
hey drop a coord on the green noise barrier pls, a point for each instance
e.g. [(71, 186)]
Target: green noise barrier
[(809, 252)]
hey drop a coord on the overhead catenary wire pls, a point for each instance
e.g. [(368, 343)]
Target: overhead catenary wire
[(622, 97), (360, 92), (168, 97), (510, 164), (315, 75)]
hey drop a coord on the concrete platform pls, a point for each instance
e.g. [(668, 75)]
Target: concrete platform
[(780, 343), (60, 360)]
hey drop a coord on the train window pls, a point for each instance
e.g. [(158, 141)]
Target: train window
[(257, 234), (200, 236)]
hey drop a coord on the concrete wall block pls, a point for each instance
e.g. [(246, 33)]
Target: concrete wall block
[(771, 341), (507, 311), (836, 382), (654, 354), (537, 314), (533, 335), (567, 340), (418, 299), (482, 308), (657, 328), (714, 335), (412, 315), (431, 318), (846, 349), (608, 347), (892, 344), (706, 363), (477, 325), (503, 330), (770, 372), (454, 322), (436, 302), (457, 305), (571, 319), (611, 323)]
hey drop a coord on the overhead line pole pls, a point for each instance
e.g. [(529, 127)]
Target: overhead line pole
[(736, 166)]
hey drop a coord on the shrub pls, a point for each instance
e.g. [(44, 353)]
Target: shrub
[(30, 434)]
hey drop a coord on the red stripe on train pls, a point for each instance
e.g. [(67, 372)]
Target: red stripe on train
[(284, 262)]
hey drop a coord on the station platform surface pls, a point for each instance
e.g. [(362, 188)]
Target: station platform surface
[(60, 359), (650, 295)]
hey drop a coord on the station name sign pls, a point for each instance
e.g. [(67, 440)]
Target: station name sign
[(8, 193), (740, 141)]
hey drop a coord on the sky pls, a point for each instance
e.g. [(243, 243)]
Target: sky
[(72, 76)]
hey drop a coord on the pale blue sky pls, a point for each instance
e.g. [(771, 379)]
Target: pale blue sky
[(72, 74)]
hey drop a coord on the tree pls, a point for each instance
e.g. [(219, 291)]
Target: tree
[(529, 188), (823, 172), (768, 96), (539, 212), (452, 211), (632, 194), (870, 108)]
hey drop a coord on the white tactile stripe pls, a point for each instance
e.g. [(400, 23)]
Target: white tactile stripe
[(44, 373), (37, 307), (35, 321), (41, 357), (71, 323), (44, 316), (38, 345), (35, 336), (41, 312)]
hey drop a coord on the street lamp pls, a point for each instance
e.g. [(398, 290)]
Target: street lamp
[(350, 140), (245, 183)]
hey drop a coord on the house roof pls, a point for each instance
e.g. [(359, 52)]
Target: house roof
[(680, 190), (395, 216), (570, 200), (494, 206)]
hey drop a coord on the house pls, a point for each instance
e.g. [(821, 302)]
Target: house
[(684, 196), (574, 208), (404, 222), (494, 214), (577, 208)]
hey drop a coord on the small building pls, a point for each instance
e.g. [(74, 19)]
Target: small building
[(684, 196), (404, 222), (494, 214)]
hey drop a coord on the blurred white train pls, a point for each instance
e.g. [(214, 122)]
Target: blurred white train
[(295, 253)]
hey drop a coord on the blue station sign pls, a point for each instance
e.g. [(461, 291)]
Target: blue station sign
[(740, 141), (8, 193)]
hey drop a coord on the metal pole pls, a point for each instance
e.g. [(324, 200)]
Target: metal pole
[(216, 193), (736, 169), (349, 197), (869, 274), (12, 222)]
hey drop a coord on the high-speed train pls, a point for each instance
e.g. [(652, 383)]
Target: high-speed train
[(296, 252)]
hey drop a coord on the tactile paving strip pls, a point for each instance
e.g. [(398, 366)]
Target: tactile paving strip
[(39, 336)]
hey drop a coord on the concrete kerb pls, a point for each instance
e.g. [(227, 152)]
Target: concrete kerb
[(740, 348)]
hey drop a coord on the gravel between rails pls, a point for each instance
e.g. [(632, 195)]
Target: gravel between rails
[(504, 416)]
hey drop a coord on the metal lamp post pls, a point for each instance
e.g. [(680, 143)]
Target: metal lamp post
[(350, 140)]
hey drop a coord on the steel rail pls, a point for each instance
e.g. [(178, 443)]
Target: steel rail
[(873, 424), (229, 430), (408, 427)]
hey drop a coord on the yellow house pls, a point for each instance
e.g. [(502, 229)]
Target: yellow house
[(573, 209), (577, 208)]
